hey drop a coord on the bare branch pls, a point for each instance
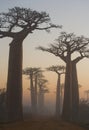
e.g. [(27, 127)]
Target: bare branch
[(6, 34), (58, 69), (18, 19), (51, 26), (66, 45), (54, 51)]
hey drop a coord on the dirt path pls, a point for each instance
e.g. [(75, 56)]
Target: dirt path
[(47, 124)]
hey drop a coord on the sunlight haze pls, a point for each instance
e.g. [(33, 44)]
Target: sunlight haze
[(73, 15)]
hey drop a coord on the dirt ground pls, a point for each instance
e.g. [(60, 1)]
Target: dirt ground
[(41, 124)]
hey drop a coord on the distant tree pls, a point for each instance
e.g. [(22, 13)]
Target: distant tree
[(33, 75), (42, 85), (87, 95), (2, 95), (59, 70), (65, 46), (2, 104), (83, 110), (37, 75), (61, 96), (17, 23)]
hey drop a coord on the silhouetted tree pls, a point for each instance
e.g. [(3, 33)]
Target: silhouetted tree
[(61, 96), (17, 24), (37, 75), (83, 110), (87, 95), (65, 46), (59, 70), (32, 73), (2, 95), (2, 104), (42, 90)]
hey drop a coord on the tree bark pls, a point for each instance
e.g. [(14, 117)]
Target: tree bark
[(58, 97), (61, 100), (41, 101), (75, 93), (36, 94), (33, 109), (14, 82), (67, 103)]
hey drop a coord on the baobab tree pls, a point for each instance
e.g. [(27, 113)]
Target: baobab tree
[(59, 71), (17, 23), (2, 104), (33, 75), (61, 96), (87, 94), (37, 76), (42, 85), (65, 47), (2, 96)]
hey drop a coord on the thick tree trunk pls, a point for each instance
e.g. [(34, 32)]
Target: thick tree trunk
[(61, 100), (75, 93), (31, 90), (58, 97), (67, 103), (14, 82), (33, 109), (36, 94), (41, 102)]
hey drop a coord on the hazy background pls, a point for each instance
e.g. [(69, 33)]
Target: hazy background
[(73, 15)]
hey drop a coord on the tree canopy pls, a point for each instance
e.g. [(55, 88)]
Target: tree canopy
[(68, 43), (18, 19), (59, 69)]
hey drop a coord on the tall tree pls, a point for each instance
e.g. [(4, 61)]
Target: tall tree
[(37, 75), (2, 96), (61, 96), (2, 104), (59, 70), (17, 24), (87, 95), (65, 47), (32, 73), (42, 84)]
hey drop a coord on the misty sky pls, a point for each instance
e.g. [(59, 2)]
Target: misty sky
[(72, 14)]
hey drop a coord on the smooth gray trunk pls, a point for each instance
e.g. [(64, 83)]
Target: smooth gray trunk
[(14, 79), (71, 106), (61, 100), (36, 94), (67, 103), (41, 102), (58, 97), (75, 93), (14, 82), (33, 109)]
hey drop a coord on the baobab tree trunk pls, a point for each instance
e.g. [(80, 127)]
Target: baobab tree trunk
[(75, 93), (32, 95), (67, 103), (58, 97), (61, 99), (36, 94), (14, 82), (41, 102)]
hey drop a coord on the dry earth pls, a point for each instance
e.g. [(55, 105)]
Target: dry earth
[(41, 124)]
